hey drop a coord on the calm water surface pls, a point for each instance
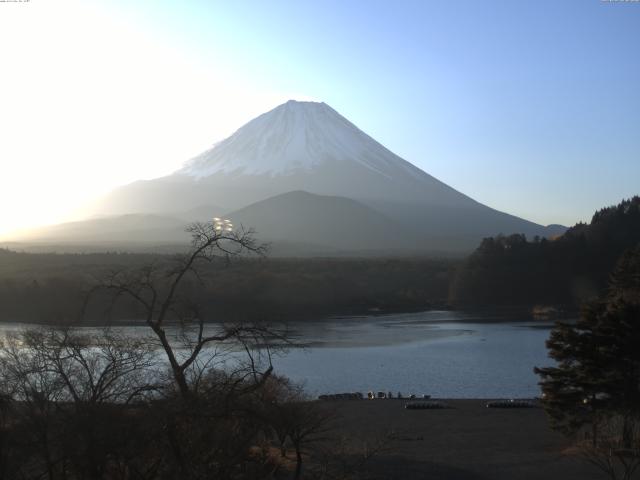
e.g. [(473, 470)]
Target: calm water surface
[(444, 354), (440, 353)]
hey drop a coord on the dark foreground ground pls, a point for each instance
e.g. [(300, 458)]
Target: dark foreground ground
[(467, 441)]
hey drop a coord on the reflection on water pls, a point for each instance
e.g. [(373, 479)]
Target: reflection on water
[(444, 354)]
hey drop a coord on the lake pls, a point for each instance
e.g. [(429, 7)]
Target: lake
[(441, 353), (445, 354)]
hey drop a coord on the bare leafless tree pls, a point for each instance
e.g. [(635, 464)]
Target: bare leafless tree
[(161, 290), (611, 452), (309, 424), (70, 389), (295, 420), (86, 367)]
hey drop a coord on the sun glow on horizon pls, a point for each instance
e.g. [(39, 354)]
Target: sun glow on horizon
[(90, 101), (520, 110)]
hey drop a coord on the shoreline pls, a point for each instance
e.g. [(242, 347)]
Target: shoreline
[(481, 314)]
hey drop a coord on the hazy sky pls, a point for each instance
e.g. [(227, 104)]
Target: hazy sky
[(531, 107)]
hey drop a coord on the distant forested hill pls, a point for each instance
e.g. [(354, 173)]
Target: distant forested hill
[(49, 288), (509, 270)]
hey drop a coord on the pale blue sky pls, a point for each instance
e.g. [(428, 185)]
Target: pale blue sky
[(531, 107)]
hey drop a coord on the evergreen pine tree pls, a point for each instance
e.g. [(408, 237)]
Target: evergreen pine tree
[(597, 375)]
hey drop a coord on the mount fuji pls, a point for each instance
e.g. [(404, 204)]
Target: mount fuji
[(305, 177)]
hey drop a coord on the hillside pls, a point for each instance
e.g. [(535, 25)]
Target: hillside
[(335, 225), (310, 147), (509, 270)]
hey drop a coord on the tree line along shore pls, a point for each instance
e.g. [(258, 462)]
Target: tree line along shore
[(504, 271)]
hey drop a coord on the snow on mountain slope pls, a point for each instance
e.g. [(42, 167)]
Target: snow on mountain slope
[(308, 146), (295, 136)]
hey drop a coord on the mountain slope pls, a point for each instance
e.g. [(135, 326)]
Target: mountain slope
[(324, 223), (297, 136), (296, 146), (569, 270), (308, 146), (121, 228), (295, 223)]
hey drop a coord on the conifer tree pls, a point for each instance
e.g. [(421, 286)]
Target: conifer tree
[(597, 376)]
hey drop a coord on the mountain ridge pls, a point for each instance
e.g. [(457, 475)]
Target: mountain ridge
[(279, 135), (342, 224), (310, 147)]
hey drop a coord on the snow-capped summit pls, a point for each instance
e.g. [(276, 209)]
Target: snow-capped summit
[(309, 148), (295, 136)]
